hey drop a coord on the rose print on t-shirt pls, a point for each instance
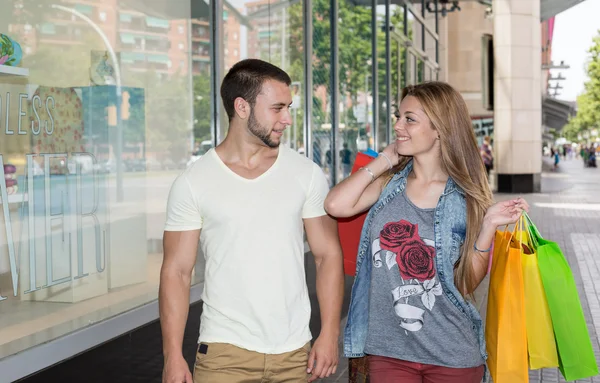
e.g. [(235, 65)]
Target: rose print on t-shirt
[(394, 234), (415, 260), (400, 244)]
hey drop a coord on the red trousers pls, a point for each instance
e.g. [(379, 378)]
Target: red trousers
[(390, 370)]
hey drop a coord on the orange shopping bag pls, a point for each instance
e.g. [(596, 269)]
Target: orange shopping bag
[(350, 228), (505, 329)]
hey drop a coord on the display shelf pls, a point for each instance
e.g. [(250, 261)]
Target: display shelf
[(6, 70), (15, 198)]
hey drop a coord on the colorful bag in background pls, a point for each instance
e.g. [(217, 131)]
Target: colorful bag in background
[(350, 228), (541, 345), (505, 329), (576, 355)]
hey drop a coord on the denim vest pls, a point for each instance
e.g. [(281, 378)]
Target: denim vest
[(449, 232)]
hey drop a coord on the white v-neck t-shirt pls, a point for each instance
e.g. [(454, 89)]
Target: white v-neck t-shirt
[(255, 294)]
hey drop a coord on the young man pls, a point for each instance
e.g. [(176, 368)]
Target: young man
[(247, 201)]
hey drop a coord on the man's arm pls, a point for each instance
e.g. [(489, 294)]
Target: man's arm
[(180, 249), (325, 245)]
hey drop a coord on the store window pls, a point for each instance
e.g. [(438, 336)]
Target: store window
[(273, 34), (95, 126), (356, 89)]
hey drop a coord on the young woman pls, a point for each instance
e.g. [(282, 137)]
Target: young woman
[(425, 245)]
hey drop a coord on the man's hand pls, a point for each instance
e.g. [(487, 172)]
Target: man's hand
[(325, 354), (176, 371)]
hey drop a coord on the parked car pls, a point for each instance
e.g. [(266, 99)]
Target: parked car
[(135, 165)]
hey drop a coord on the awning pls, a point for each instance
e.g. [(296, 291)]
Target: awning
[(131, 57), (85, 9), (157, 23), (48, 29), (161, 59), (265, 34), (125, 17), (127, 38), (549, 8)]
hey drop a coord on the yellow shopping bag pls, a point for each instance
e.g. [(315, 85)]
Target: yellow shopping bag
[(541, 345), (505, 329)]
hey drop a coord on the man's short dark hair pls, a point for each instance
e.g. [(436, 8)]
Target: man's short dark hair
[(245, 80)]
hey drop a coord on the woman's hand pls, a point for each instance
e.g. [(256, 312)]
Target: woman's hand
[(505, 212), (391, 153)]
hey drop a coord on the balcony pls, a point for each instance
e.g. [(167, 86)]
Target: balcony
[(131, 22), (141, 43), (140, 62), (200, 22), (200, 34)]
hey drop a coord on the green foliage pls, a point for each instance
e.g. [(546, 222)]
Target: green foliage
[(588, 103)]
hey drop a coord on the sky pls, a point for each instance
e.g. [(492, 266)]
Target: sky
[(574, 30)]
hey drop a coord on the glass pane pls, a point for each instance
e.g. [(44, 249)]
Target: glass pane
[(430, 49), (398, 58), (356, 115), (107, 105), (270, 31), (376, 136), (321, 98)]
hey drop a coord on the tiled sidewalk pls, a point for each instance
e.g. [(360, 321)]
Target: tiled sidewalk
[(566, 211)]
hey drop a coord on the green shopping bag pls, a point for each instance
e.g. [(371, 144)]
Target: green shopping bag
[(575, 353)]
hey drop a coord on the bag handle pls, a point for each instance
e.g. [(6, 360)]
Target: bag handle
[(530, 225), (519, 228)]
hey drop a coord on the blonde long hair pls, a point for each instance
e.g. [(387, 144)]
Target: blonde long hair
[(461, 160)]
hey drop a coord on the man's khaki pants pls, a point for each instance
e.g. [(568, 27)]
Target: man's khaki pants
[(225, 363)]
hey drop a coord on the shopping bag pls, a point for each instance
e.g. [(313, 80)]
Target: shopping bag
[(575, 352), (541, 345), (505, 329), (350, 228)]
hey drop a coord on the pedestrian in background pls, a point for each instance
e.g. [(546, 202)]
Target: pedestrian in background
[(346, 160), (487, 155)]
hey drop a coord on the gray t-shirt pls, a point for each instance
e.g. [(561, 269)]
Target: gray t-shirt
[(410, 318)]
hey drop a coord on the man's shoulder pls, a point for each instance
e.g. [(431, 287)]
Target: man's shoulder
[(296, 159), (200, 168)]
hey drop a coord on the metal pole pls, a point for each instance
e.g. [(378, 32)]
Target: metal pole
[(367, 102), (423, 37), (333, 22), (216, 42), (308, 78), (191, 78), (437, 31), (407, 76), (388, 75), (374, 72), (294, 135)]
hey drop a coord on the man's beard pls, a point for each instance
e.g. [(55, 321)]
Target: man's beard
[(259, 132)]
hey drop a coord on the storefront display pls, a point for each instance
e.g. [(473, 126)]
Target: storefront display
[(89, 147), (10, 51)]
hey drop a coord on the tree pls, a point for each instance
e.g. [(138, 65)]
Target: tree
[(202, 114), (588, 103)]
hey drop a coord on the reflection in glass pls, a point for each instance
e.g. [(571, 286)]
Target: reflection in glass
[(90, 142), (270, 31), (356, 96), (321, 98)]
